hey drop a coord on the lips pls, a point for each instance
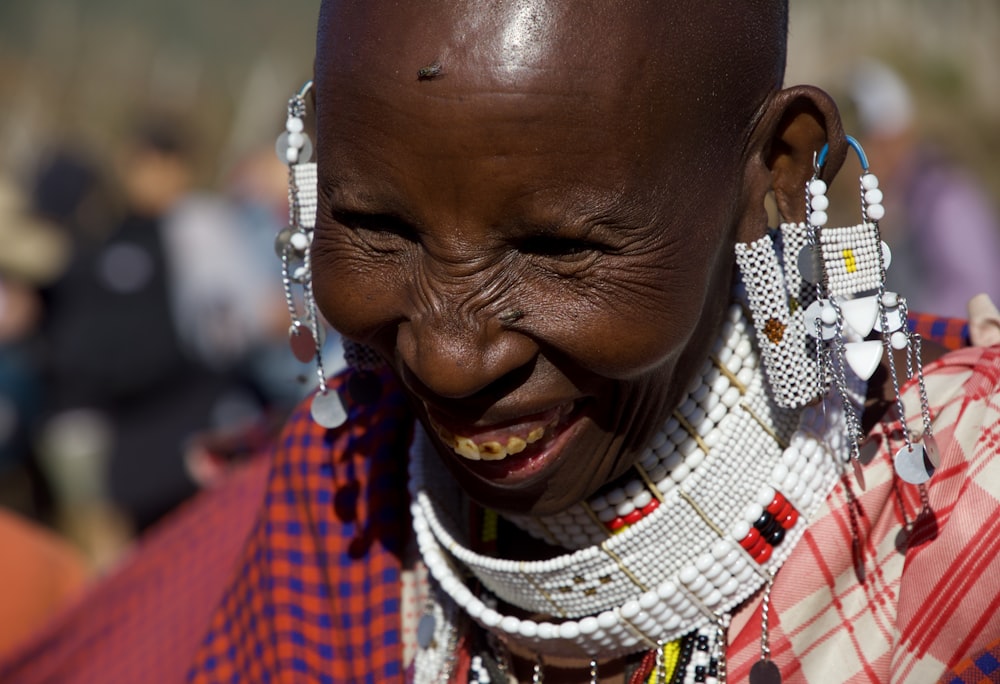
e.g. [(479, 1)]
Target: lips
[(522, 436)]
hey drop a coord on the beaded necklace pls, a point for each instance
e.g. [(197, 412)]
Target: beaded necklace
[(721, 496)]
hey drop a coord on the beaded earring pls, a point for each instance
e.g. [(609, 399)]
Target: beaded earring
[(777, 296), (292, 244), (847, 267)]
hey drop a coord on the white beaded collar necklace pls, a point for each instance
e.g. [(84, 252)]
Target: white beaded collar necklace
[(735, 480)]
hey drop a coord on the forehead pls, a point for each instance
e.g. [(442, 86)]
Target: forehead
[(652, 53), (618, 90)]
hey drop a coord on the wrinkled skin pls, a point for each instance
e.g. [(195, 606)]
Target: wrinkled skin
[(547, 221)]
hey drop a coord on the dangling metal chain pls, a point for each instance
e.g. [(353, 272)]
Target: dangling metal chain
[(660, 666), (537, 675), (840, 380), (925, 407), (765, 647), (593, 672), (314, 322), (722, 643)]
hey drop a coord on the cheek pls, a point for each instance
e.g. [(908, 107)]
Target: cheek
[(357, 292), (631, 326)]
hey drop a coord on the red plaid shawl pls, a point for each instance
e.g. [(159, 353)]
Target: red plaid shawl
[(309, 590)]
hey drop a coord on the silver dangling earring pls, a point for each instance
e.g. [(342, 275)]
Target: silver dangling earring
[(764, 671), (293, 246), (538, 671), (847, 266)]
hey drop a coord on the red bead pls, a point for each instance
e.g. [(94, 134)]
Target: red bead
[(753, 536), (783, 511), (788, 522), (633, 517), (776, 504), (616, 523), (650, 507), (758, 546), (764, 554)]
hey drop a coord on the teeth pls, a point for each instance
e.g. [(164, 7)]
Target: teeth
[(492, 451), (466, 448), (516, 445)]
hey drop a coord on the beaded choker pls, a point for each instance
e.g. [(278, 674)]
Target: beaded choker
[(721, 497)]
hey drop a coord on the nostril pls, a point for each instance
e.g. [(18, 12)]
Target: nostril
[(471, 406), (476, 368)]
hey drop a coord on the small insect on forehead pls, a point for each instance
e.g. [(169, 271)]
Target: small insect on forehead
[(430, 72)]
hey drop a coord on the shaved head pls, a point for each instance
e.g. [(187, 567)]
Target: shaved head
[(725, 57)]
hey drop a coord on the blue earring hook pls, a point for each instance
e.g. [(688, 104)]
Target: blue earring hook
[(862, 157)]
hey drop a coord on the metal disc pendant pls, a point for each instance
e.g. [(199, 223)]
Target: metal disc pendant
[(933, 453), (913, 466), (903, 541), (815, 325), (859, 473), (765, 672), (304, 153), (302, 342), (425, 630), (810, 265), (281, 241), (920, 531), (869, 450), (858, 559), (328, 410)]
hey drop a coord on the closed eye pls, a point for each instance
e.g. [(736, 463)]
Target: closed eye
[(386, 225), (554, 246)]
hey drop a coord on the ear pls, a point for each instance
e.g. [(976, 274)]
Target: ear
[(795, 124)]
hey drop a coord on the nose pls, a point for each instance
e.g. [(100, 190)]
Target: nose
[(458, 357)]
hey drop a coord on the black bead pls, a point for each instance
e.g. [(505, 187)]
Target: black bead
[(763, 521), (776, 536)]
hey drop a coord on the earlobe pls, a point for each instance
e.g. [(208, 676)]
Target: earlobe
[(794, 126)]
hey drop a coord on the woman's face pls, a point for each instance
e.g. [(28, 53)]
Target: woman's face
[(538, 241)]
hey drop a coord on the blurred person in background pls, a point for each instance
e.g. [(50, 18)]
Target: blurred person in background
[(39, 573), (145, 333), (32, 254), (943, 226)]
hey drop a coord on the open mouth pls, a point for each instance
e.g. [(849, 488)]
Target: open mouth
[(521, 437)]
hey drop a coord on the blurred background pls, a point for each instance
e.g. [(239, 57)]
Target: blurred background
[(143, 331), (141, 315)]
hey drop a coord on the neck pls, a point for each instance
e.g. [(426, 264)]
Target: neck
[(715, 506)]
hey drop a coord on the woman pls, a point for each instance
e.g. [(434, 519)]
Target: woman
[(529, 211)]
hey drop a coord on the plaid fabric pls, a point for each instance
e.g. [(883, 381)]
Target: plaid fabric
[(144, 623), (915, 615), (318, 598)]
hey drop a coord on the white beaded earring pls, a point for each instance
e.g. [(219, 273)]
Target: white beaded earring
[(292, 244), (847, 267), (777, 297)]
